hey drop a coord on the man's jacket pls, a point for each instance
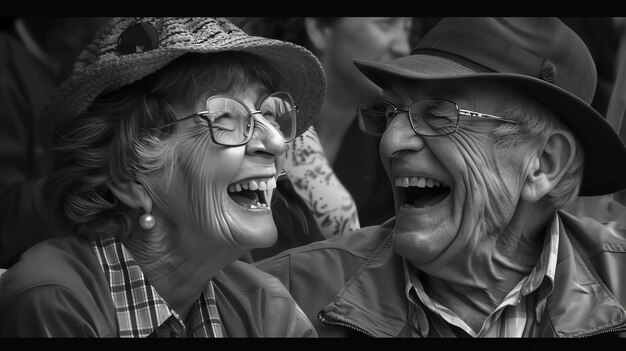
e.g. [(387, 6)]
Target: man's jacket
[(355, 284), (58, 289)]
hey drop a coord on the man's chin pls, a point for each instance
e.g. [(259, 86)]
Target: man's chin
[(414, 247)]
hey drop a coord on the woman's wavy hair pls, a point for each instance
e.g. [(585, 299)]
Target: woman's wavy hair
[(116, 138)]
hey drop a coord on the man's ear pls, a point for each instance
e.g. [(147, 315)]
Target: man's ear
[(318, 33), (133, 194), (551, 163)]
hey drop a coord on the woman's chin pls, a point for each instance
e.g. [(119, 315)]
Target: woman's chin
[(251, 229), (255, 238)]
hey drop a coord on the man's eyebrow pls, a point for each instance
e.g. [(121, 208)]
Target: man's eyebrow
[(438, 92)]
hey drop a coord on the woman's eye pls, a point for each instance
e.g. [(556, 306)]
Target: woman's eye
[(224, 122), (270, 116)]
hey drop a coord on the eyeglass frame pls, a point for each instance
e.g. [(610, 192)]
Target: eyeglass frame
[(203, 115), (461, 111)]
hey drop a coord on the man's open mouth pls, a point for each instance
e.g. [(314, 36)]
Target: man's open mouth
[(252, 193), (422, 192)]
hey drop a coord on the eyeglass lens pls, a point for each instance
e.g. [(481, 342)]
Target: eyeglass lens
[(232, 122), (427, 117)]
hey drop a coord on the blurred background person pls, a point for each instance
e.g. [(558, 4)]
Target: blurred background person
[(36, 54)]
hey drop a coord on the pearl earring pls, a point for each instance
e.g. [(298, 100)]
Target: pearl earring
[(147, 221)]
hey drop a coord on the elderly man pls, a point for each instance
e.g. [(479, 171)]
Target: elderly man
[(487, 133)]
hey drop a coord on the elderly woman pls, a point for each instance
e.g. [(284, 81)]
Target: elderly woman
[(168, 139)]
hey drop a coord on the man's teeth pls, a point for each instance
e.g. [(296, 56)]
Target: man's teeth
[(253, 185), (258, 205), (420, 182)]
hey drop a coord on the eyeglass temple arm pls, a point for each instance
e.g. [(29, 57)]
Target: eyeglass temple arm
[(201, 113), (484, 115)]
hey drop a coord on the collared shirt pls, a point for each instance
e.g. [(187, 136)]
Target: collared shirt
[(140, 310), (512, 318)]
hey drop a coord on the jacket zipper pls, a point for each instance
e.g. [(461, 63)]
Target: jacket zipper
[(605, 331), (329, 321)]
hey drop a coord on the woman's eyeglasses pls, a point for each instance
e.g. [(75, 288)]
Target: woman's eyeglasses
[(231, 122)]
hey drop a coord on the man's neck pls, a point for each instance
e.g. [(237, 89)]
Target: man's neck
[(473, 288)]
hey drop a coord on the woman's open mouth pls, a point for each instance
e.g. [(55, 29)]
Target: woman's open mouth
[(252, 193), (422, 192)]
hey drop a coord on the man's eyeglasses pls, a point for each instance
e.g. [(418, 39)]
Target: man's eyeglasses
[(428, 117), (231, 122)]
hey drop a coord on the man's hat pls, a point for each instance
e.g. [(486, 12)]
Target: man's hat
[(128, 49), (541, 57)]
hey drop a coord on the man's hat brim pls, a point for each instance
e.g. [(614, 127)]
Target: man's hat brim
[(605, 153)]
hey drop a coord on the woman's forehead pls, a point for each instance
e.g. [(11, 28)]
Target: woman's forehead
[(251, 93), (252, 87)]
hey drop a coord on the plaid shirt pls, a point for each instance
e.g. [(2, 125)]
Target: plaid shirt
[(141, 312), (514, 317)]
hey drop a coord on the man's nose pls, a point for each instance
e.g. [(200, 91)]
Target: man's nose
[(266, 140), (400, 136)]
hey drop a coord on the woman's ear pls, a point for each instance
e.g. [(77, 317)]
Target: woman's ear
[(549, 166), (133, 194), (318, 33)]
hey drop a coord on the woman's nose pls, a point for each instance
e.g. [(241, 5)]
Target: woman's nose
[(400, 136), (266, 140)]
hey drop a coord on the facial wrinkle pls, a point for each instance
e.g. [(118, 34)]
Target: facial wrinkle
[(197, 152)]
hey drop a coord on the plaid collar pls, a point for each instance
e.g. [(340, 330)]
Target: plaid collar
[(140, 310)]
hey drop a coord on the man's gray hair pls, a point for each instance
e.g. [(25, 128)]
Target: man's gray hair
[(537, 123)]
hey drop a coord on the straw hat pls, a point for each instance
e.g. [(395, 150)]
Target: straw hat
[(128, 49)]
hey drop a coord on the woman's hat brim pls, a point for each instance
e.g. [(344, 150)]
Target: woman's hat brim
[(301, 75), (605, 153)]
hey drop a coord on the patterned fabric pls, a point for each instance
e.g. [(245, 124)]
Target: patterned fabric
[(512, 318), (313, 179), (141, 311)]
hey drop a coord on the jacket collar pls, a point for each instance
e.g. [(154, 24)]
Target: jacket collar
[(373, 299), (581, 304)]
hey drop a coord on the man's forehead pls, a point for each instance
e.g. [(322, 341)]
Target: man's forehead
[(419, 89), (450, 89)]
